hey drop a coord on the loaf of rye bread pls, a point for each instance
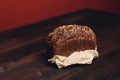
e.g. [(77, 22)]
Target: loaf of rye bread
[(66, 39)]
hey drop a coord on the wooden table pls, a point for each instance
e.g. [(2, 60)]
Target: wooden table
[(23, 50)]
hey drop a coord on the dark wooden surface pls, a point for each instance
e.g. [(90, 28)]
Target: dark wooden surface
[(23, 50)]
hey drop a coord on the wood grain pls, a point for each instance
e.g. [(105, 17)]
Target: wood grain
[(23, 50)]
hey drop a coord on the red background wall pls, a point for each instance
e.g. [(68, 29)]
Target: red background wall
[(15, 13)]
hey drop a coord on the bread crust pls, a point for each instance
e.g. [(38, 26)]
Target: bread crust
[(67, 39)]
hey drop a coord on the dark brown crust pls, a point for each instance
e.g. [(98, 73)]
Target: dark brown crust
[(69, 38)]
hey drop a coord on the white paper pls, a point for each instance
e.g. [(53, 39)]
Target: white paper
[(81, 57)]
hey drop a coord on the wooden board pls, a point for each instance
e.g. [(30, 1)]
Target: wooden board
[(23, 50)]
